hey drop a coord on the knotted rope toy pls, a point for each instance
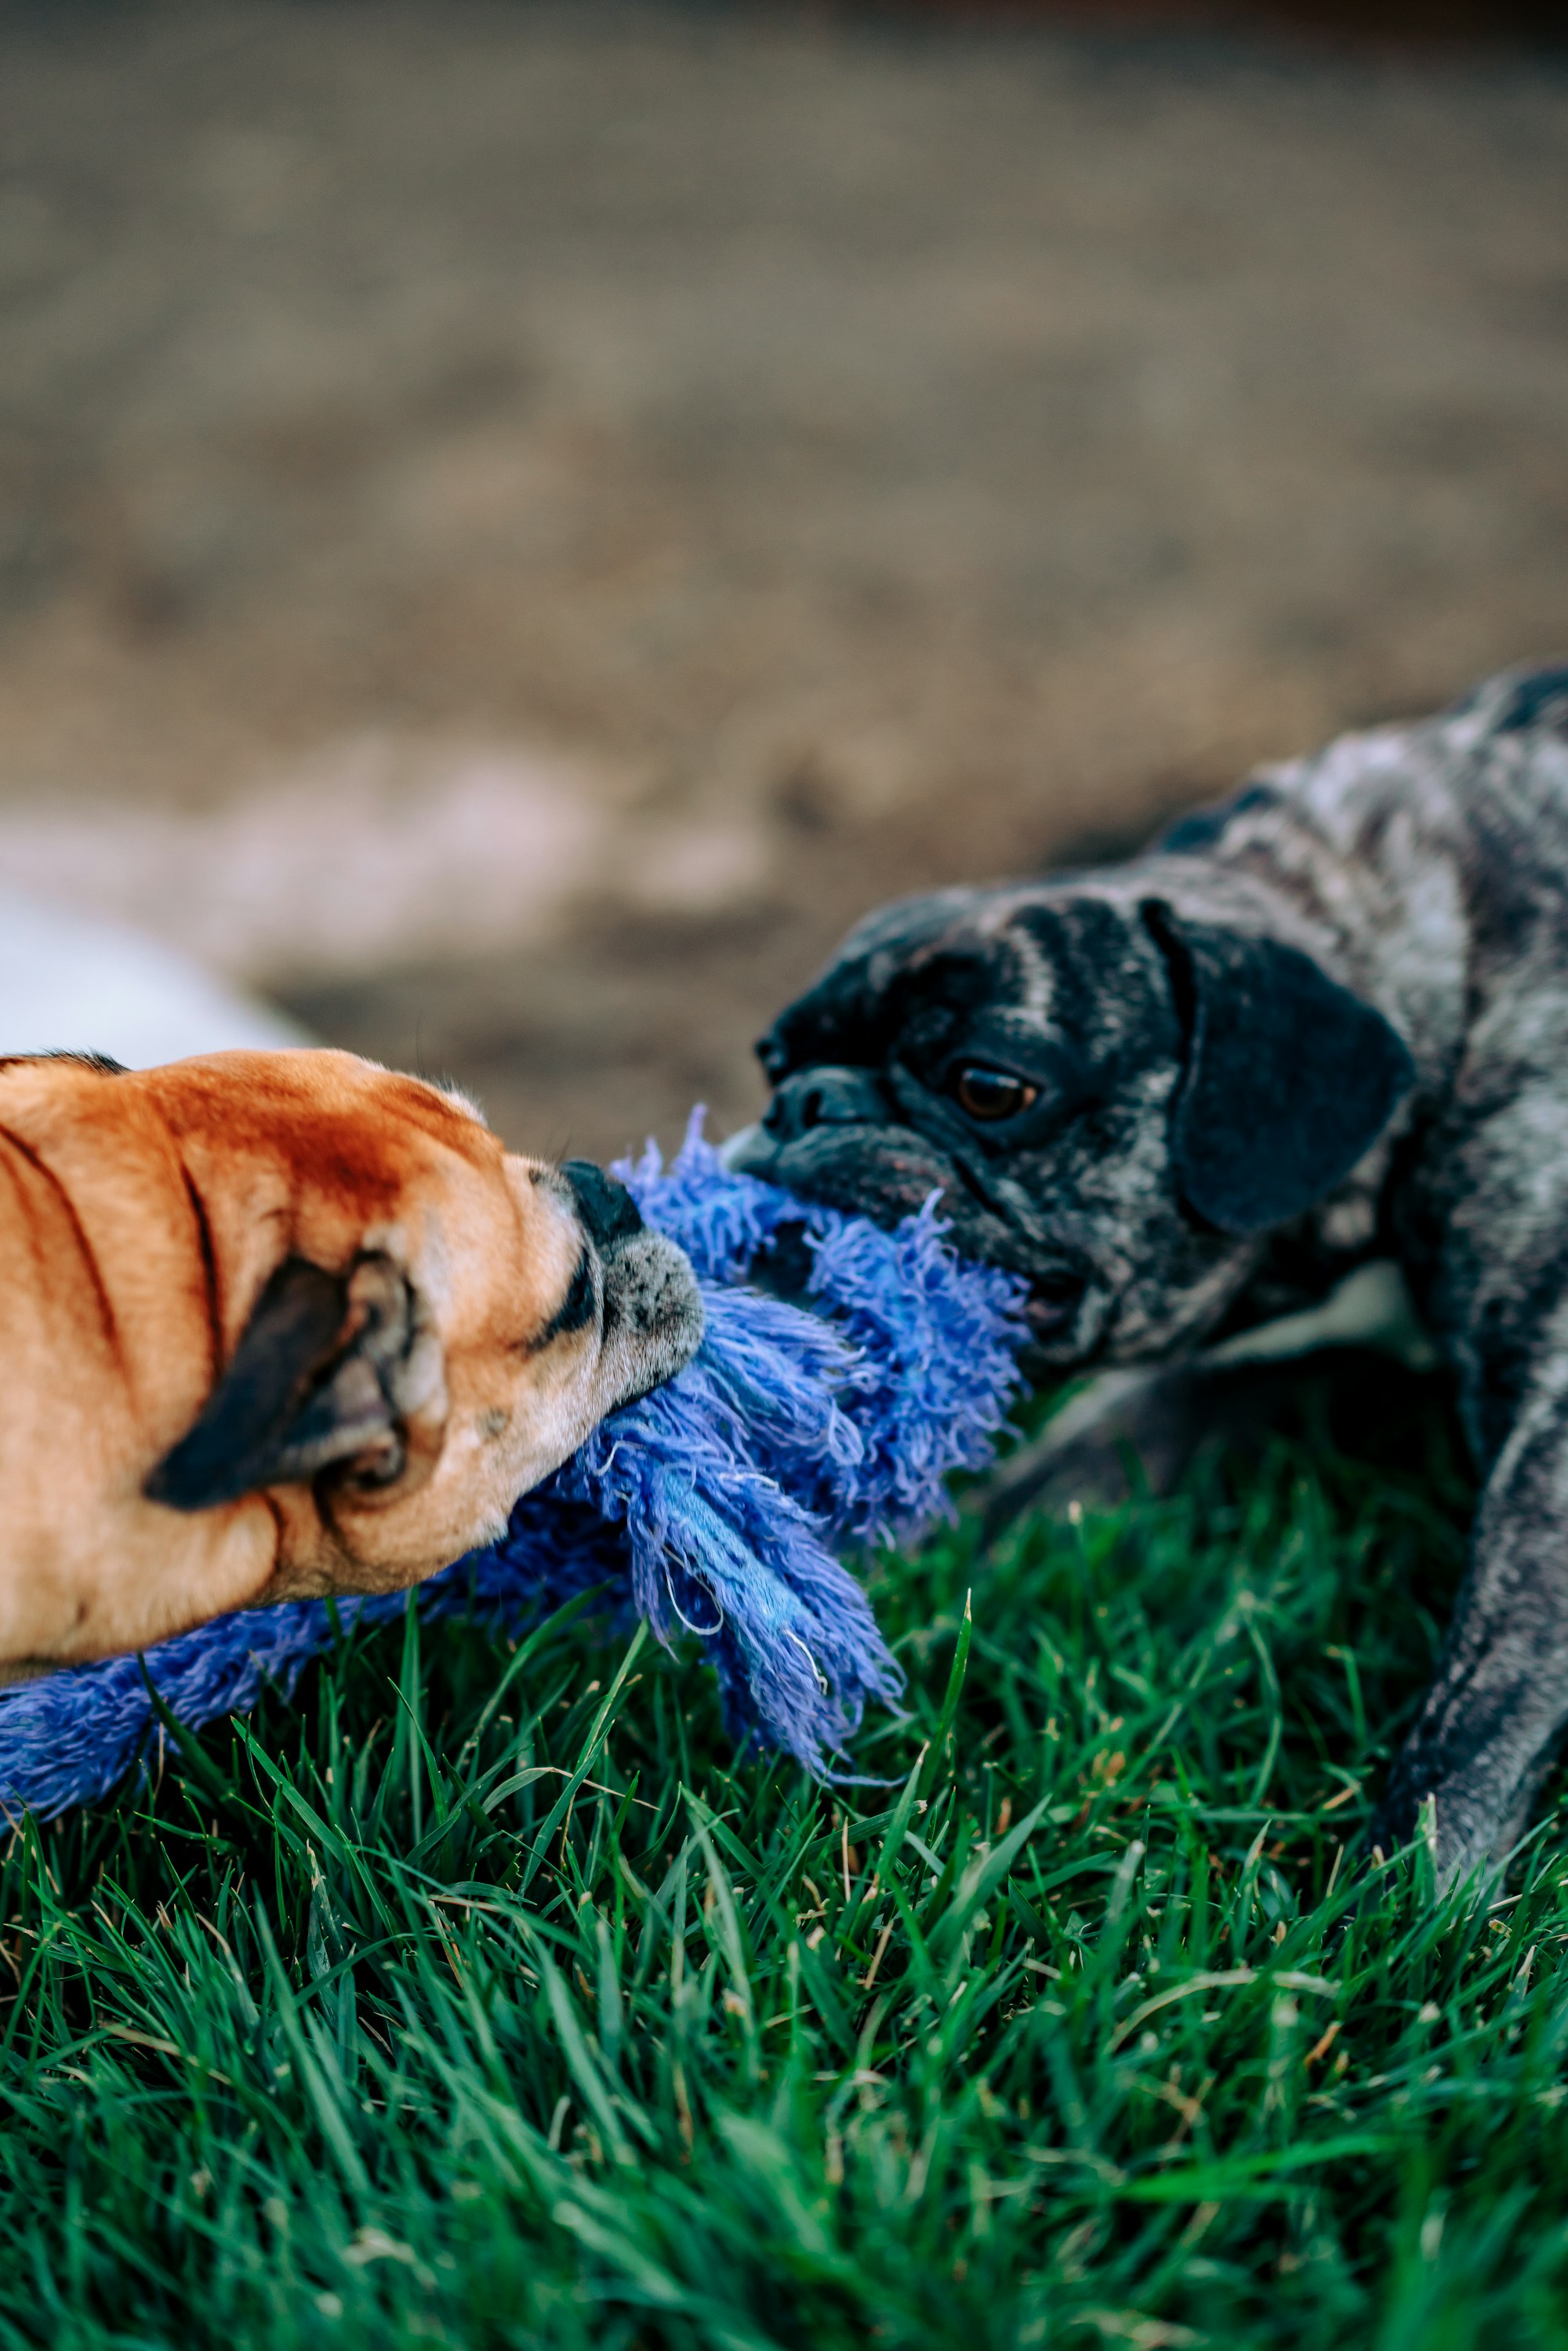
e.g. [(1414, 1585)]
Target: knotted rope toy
[(714, 1505)]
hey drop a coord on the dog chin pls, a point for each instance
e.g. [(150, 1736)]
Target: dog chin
[(652, 1313)]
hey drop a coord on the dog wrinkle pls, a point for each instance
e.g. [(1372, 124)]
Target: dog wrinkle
[(65, 1211), (208, 1265)]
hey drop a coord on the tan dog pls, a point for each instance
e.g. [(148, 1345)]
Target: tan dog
[(276, 1324)]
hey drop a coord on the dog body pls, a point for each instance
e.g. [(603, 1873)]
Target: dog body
[(1322, 1025), (282, 1324)]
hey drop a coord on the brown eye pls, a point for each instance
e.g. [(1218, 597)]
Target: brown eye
[(993, 1094)]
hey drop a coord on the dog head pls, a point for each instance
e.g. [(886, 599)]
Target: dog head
[(1114, 1098), (413, 1325)]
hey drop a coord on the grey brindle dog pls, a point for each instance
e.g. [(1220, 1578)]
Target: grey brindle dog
[(1322, 1025)]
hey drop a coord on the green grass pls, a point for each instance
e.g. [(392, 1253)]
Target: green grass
[(479, 1998)]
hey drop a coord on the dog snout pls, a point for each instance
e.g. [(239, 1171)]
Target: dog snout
[(823, 1097), (609, 1213)]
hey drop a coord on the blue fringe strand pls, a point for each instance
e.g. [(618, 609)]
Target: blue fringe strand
[(712, 1505)]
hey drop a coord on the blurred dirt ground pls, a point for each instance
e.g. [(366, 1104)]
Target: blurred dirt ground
[(516, 522)]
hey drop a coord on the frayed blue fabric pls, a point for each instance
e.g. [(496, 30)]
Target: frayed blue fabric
[(715, 1506)]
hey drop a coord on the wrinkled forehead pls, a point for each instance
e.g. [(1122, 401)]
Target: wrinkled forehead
[(1068, 963)]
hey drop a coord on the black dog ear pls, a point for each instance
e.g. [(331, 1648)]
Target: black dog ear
[(1290, 1078), (309, 1387)]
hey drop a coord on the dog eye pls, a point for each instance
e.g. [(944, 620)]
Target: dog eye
[(992, 1093)]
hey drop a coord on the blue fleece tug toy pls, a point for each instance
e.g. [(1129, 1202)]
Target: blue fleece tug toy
[(712, 1505)]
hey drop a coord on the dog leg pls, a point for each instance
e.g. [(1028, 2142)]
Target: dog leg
[(1489, 1725), (1157, 1417), (1231, 1395)]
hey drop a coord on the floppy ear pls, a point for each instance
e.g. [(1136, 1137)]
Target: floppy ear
[(1290, 1078), (311, 1385)]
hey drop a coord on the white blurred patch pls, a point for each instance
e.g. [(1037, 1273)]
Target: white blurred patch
[(1370, 1308), (696, 868), (377, 850), (71, 984)]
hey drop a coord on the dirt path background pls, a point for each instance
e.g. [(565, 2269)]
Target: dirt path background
[(516, 522)]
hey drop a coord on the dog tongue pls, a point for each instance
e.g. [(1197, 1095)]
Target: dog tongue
[(1051, 1303)]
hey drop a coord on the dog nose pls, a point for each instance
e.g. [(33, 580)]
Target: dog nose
[(606, 1207), (824, 1097)]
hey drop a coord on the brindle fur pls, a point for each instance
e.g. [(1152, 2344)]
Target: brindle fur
[(1195, 1085)]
